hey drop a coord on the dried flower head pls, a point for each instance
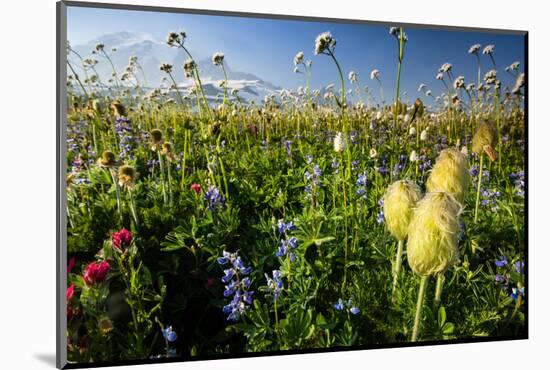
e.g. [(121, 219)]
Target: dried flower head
[(167, 149), (165, 67), (450, 174), (489, 49), (324, 42), (217, 58), (189, 67), (299, 58), (375, 74), (484, 139), (126, 175), (432, 244), (399, 201), (118, 109), (446, 67), (474, 49), (352, 76), (520, 82), (105, 325), (459, 82), (490, 77), (107, 159)]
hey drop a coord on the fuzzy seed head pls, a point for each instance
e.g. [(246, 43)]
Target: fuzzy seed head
[(156, 136), (432, 244), (399, 201), (485, 137), (450, 174), (126, 175), (107, 159)]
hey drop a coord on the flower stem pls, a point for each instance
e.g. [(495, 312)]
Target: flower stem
[(439, 289), (419, 304), (479, 175), (397, 267)]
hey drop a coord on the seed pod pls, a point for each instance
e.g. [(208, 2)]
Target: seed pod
[(118, 109), (450, 174), (399, 201), (417, 110), (432, 244), (126, 175), (168, 150), (484, 140), (107, 159)]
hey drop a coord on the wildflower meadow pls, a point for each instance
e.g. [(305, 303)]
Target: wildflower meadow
[(305, 219)]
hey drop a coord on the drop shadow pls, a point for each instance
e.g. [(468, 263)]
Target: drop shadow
[(46, 358)]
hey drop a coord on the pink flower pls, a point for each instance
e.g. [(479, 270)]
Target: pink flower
[(196, 188), (121, 239), (70, 292), (96, 272), (70, 265)]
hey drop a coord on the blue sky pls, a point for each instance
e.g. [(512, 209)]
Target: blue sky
[(266, 47)]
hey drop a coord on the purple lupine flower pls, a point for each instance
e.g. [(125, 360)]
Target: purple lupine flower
[(519, 266), (335, 165), (169, 334), (236, 282), (501, 262), (516, 293), (215, 198), (275, 284)]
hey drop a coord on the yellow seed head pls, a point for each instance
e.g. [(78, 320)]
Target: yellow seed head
[(156, 136), (450, 174), (432, 244), (107, 159), (126, 175), (118, 109), (484, 138), (105, 325), (399, 201)]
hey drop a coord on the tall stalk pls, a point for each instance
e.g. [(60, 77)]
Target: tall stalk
[(479, 175), (397, 267), (419, 306)]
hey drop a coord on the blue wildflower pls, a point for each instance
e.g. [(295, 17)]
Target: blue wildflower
[(501, 262), (235, 286), (339, 306), (519, 266), (516, 293), (275, 284), (169, 334), (380, 219), (215, 198)]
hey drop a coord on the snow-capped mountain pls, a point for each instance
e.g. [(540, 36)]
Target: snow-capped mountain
[(151, 53)]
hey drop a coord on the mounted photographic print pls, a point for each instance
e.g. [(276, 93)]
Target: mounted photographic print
[(235, 185)]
